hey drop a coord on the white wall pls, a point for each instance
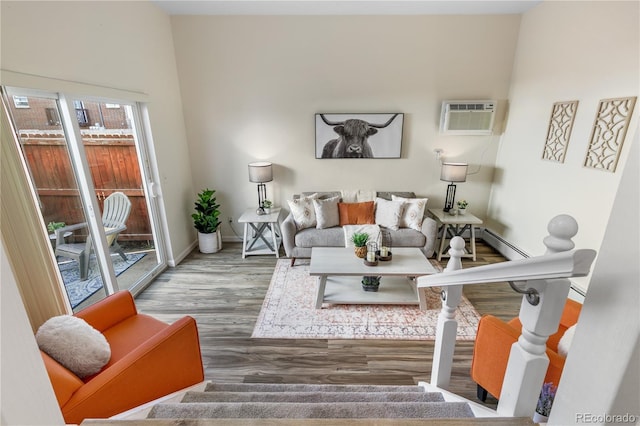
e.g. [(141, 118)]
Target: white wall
[(25, 383), (112, 44), (601, 374), (584, 51), (252, 84)]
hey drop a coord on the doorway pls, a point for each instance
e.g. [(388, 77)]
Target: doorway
[(87, 160)]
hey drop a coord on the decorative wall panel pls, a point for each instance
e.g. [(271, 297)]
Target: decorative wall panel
[(560, 124), (609, 130)]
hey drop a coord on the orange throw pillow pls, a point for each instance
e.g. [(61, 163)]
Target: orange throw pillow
[(357, 213)]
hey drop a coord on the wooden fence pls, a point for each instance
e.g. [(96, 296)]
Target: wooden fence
[(113, 162)]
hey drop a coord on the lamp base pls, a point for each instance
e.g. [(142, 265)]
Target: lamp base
[(451, 196), (262, 194)]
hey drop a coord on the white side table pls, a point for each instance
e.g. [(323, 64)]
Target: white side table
[(255, 229), (452, 226)]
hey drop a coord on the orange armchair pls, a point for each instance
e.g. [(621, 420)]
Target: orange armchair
[(493, 344), (149, 359)]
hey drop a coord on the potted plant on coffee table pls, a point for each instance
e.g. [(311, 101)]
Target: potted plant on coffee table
[(206, 221), (359, 240), (370, 283)]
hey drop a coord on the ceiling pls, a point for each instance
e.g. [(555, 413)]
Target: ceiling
[(344, 7)]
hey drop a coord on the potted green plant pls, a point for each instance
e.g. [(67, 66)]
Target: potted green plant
[(545, 401), (359, 240), (267, 204), (462, 206), (371, 283), (52, 226), (206, 221)]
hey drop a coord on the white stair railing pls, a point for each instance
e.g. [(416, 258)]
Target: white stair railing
[(546, 287)]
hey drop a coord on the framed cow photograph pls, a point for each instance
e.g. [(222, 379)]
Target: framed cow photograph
[(359, 135)]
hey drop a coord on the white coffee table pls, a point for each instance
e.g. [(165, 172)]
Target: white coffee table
[(341, 273)]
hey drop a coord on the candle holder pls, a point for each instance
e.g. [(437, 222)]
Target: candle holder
[(371, 258), (384, 254)]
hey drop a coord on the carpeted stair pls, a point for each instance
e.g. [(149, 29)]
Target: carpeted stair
[(300, 401)]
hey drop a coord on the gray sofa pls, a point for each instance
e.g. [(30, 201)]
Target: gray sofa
[(298, 244)]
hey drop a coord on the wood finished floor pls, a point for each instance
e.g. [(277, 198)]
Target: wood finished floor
[(224, 293)]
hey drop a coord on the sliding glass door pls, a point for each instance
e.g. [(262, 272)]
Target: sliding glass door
[(86, 158)]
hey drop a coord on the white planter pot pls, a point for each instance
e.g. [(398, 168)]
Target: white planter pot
[(462, 211), (209, 243)]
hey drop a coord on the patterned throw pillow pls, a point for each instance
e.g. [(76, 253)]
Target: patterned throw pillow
[(413, 213), (303, 211), (327, 214), (389, 213)]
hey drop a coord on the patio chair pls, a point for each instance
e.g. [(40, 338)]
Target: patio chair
[(114, 215)]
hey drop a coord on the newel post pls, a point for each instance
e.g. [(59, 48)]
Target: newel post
[(447, 327), (528, 360)]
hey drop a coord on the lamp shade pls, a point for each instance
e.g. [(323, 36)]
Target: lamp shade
[(454, 172), (260, 172)]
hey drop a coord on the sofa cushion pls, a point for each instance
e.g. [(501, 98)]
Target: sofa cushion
[(407, 237), (388, 195), (327, 214), (413, 213), (357, 213), (304, 214), (357, 195), (319, 195), (389, 213), (328, 237), (75, 344)]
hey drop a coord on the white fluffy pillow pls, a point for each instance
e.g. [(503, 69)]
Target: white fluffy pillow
[(565, 341), (303, 211), (413, 212), (327, 213), (388, 213), (75, 344)]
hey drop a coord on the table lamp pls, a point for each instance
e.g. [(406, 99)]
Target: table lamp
[(452, 172), (261, 172)]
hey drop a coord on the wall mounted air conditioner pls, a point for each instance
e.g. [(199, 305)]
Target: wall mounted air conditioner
[(467, 117)]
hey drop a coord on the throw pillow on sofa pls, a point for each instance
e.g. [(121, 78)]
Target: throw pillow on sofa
[(413, 212), (303, 211), (357, 213), (327, 214), (75, 344), (389, 213)]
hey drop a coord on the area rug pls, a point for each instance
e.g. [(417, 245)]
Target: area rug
[(77, 290), (288, 312)]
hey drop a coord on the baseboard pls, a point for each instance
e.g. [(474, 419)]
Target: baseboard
[(176, 260), (504, 247), (512, 252)]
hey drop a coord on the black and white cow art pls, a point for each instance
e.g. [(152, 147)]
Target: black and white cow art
[(353, 140)]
